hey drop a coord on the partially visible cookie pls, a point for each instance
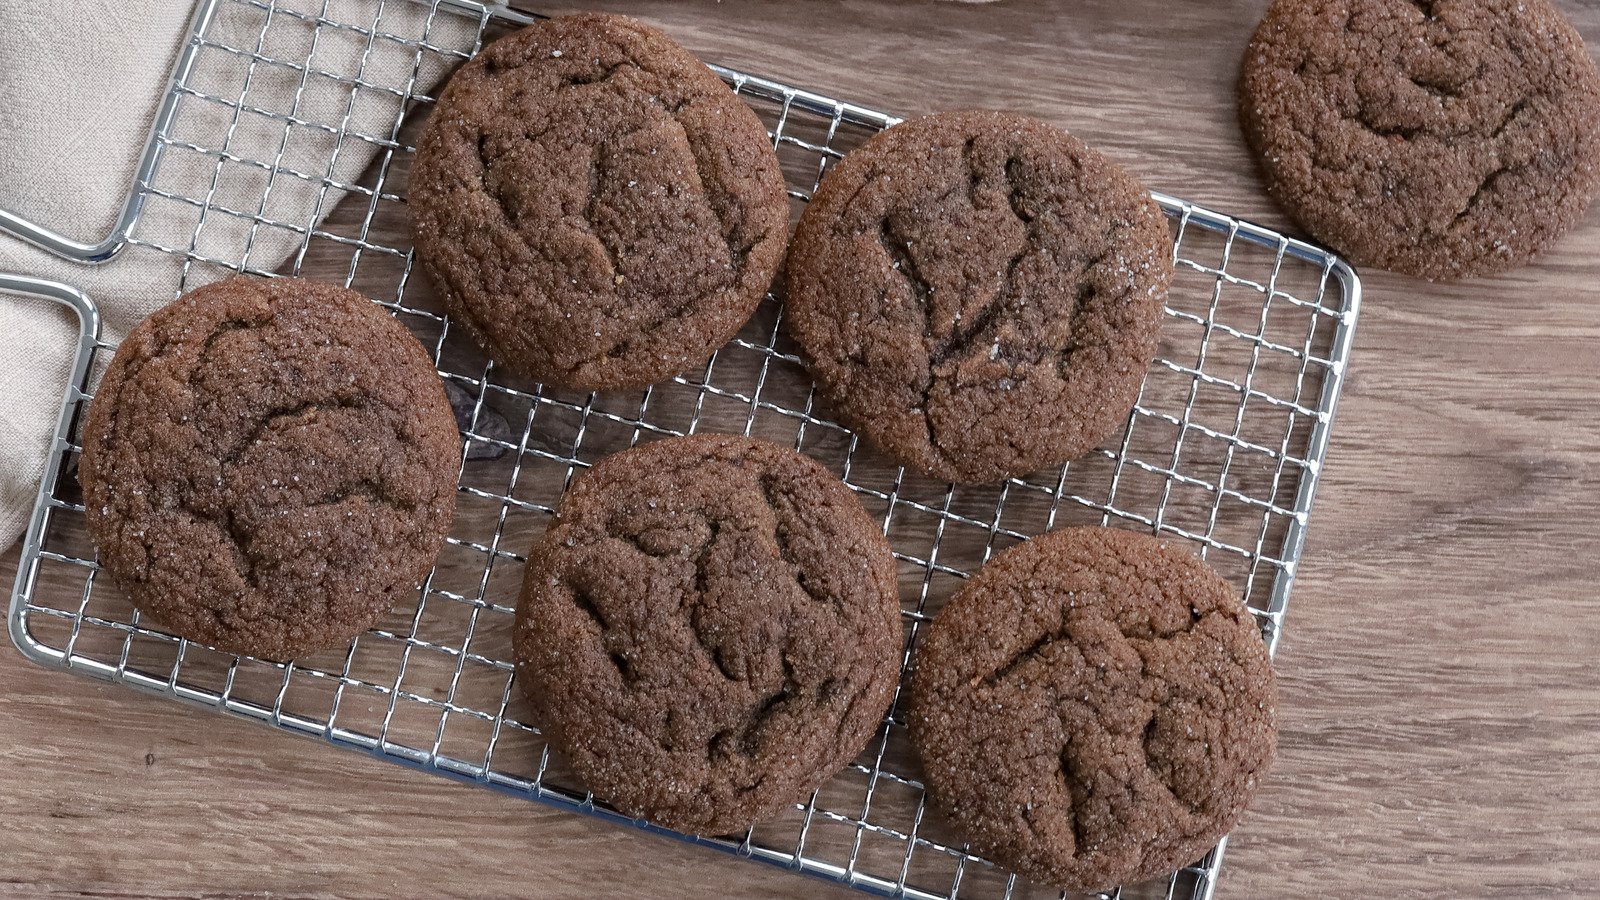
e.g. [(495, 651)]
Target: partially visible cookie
[(709, 630), (979, 293), (269, 465), (1441, 139), (597, 208), (1095, 707)]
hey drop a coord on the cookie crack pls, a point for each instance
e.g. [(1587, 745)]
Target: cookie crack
[(1441, 89), (583, 599), (768, 709), (721, 210), (239, 539), (972, 175), (1404, 132), (368, 488), (750, 737), (1511, 115), (636, 542), (1485, 186), (225, 326), (1438, 89), (780, 504), (900, 260), (1085, 294), (605, 74), (1078, 795), (962, 339), (278, 413), (1145, 737), (1013, 195), (1487, 183), (203, 359), (225, 517), (727, 227), (596, 173), (849, 708), (744, 737), (1080, 301), (1018, 659), (710, 649), (485, 162), (703, 557), (1019, 209)]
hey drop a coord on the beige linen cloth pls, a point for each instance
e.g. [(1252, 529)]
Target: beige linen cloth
[(80, 85)]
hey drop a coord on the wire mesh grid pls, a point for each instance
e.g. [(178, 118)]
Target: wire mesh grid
[(1223, 449)]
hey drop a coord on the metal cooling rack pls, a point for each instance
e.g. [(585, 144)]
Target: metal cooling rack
[(1223, 450)]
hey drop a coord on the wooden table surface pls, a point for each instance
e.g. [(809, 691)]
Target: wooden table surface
[(1440, 702)]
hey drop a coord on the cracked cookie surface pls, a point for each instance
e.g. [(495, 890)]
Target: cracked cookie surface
[(1095, 707), (979, 293), (1441, 139), (269, 465), (596, 207), (709, 629)]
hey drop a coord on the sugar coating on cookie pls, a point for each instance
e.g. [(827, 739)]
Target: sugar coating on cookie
[(596, 207), (269, 465), (979, 293), (709, 630), (1441, 139), (1095, 707)]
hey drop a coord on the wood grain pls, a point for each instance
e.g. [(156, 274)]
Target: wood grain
[(1440, 732)]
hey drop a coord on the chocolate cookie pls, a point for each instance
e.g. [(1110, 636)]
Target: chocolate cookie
[(709, 630), (979, 293), (598, 209), (1094, 708), (1441, 139), (269, 465)]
